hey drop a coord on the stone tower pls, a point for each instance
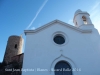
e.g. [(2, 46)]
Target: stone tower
[(13, 48)]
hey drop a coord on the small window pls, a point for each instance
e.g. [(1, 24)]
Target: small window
[(84, 19), (76, 23), (15, 46), (59, 39)]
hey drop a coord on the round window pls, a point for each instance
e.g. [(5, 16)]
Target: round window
[(59, 39)]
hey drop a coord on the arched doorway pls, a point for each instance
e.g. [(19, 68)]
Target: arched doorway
[(63, 68)]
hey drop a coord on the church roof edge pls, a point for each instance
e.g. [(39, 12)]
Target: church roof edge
[(57, 21)]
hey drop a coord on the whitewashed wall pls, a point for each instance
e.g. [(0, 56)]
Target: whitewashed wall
[(81, 51)]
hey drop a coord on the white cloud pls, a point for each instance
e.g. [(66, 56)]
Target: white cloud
[(70, 21), (37, 14), (33, 28)]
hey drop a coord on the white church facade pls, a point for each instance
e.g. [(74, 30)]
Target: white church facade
[(58, 48)]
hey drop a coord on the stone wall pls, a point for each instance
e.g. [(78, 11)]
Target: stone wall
[(13, 48)]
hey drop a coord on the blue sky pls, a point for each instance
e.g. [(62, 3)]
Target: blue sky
[(18, 15)]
